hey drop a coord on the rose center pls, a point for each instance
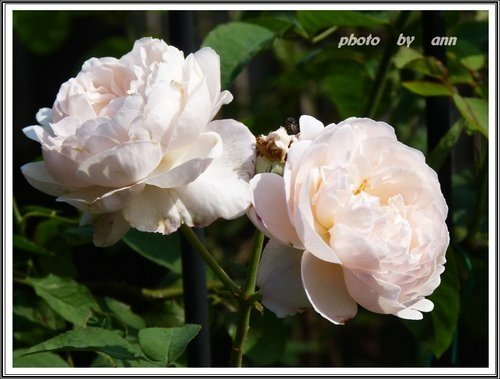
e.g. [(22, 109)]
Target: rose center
[(361, 187)]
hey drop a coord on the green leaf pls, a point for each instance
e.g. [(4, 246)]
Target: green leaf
[(429, 66), (104, 360), (428, 88), (167, 344), (125, 314), (49, 232), (163, 250), (458, 73), (314, 21), (37, 359), (267, 339), (436, 330), (405, 55), (28, 307), (237, 43), (414, 60), (167, 314), (437, 157), (25, 244), (474, 62), (66, 297), (278, 25), (475, 112), (90, 339), (347, 87)]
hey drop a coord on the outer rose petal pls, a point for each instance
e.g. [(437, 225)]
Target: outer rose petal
[(156, 210), (223, 189), (109, 228), (268, 192), (98, 200), (310, 128), (279, 279), (37, 175), (197, 157), (326, 289), (305, 225), (373, 294), (252, 215), (62, 168), (44, 116), (209, 62), (196, 112)]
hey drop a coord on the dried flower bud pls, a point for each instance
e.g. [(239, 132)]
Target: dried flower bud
[(272, 150)]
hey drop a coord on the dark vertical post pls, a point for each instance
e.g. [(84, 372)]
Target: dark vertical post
[(438, 107), (438, 123), (182, 36)]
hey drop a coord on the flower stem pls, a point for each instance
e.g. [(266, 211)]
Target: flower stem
[(245, 303), (209, 260)]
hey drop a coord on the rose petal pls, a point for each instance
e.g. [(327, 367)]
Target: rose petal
[(280, 281), (44, 116), (369, 128), (109, 228), (268, 193), (310, 128), (355, 251), (156, 210), (308, 229), (410, 314), (37, 175), (252, 215), (209, 62), (373, 293), (222, 191), (326, 290), (225, 97), (294, 157), (66, 127), (97, 200), (72, 101), (194, 117), (62, 168), (36, 133), (164, 102), (122, 166), (194, 161)]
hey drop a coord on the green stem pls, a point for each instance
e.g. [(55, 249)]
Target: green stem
[(17, 213), (381, 76), (210, 261), (53, 215), (172, 292), (246, 305), (18, 217)]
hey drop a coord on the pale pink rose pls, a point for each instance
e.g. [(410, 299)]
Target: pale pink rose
[(131, 142), (357, 218)]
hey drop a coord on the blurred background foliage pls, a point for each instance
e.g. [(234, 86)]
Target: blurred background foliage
[(277, 64)]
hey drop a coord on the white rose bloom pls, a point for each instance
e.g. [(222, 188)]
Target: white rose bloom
[(131, 143), (357, 218)]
